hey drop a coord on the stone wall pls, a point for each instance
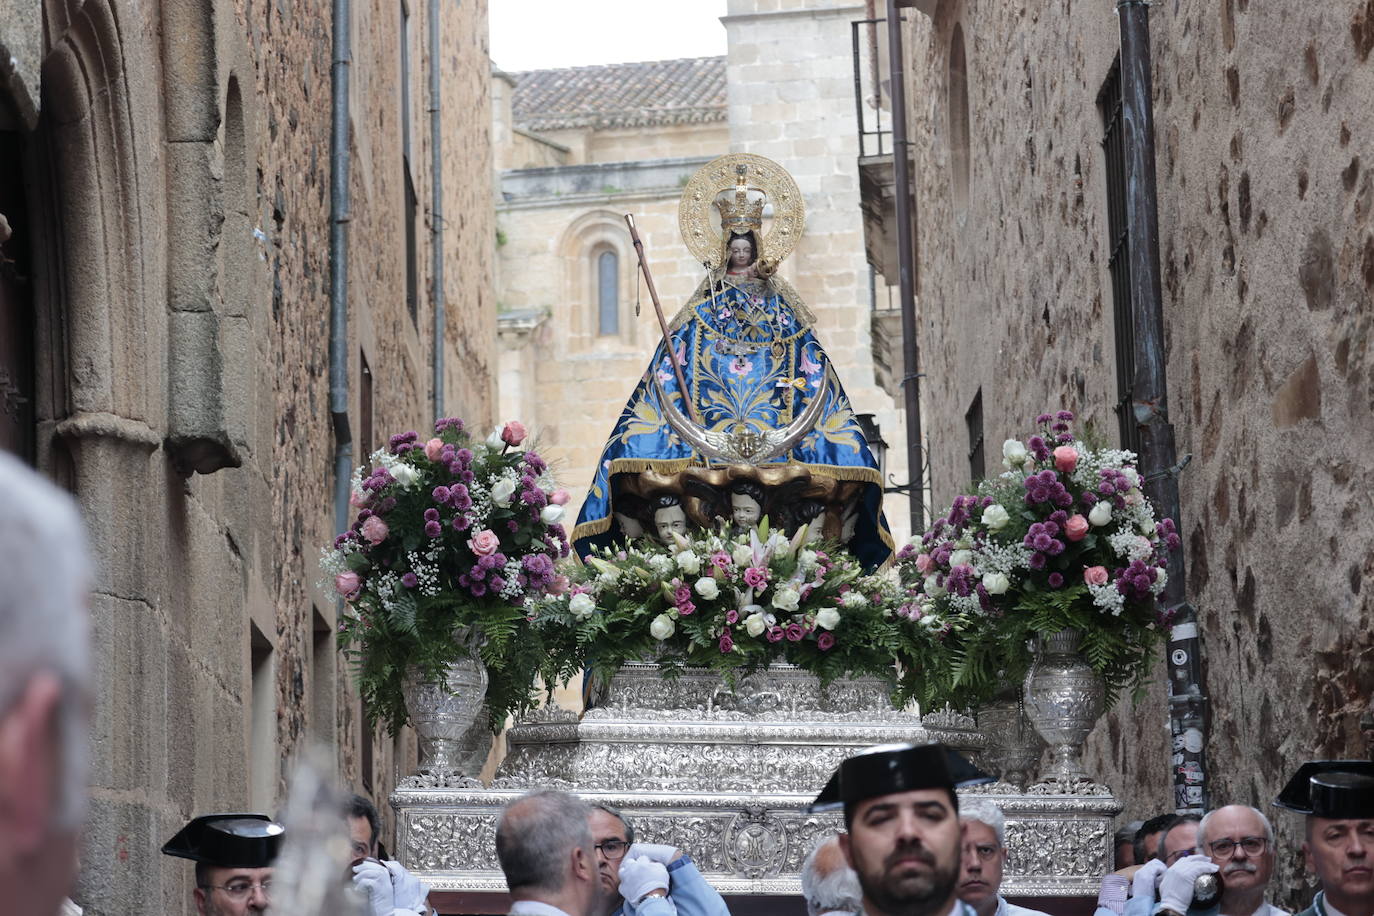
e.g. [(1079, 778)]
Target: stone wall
[(1266, 254), (181, 323)]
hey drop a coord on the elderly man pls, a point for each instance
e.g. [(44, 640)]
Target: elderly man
[(44, 684), (390, 889), (829, 885), (233, 855), (1338, 798), (545, 849), (646, 878), (904, 834), (1236, 843), (984, 858)]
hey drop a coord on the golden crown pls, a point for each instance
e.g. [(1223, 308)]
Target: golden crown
[(740, 214)]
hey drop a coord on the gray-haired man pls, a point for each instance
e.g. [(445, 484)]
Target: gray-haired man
[(44, 682), (829, 885), (983, 860), (545, 850)]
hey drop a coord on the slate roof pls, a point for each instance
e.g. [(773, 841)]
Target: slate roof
[(685, 91)]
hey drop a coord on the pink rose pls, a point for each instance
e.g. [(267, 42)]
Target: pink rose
[(824, 642), (559, 497), (484, 543), (1066, 458), (726, 643), (1095, 575), (347, 583), (1076, 528), (358, 499), (433, 447), (375, 530), (514, 432), (924, 562)]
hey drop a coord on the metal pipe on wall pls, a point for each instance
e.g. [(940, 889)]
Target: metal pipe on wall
[(339, 175), (1150, 402), (911, 373), (436, 216)]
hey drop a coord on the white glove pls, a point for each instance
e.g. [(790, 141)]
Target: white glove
[(1147, 879), (639, 875), (1176, 889), (654, 852), (410, 892), (373, 879)]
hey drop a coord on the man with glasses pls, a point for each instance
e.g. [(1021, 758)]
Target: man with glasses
[(647, 879), (1338, 798), (984, 858), (390, 889), (1237, 844), (233, 855)]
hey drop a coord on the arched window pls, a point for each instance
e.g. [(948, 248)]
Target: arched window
[(958, 120), (608, 293)]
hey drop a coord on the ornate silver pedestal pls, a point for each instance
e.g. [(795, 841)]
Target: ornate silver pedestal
[(727, 778)]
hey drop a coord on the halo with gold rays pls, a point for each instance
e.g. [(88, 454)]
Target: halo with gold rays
[(700, 224)]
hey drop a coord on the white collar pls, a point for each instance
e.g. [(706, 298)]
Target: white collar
[(534, 908)]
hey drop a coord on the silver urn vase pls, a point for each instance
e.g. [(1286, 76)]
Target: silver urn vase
[(1014, 746), (446, 718), (1064, 699)]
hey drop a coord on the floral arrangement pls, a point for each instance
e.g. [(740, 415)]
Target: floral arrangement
[(1065, 538), (452, 538), (733, 604)]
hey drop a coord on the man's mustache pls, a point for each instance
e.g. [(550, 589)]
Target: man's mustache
[(911, 851), (1248, 867)]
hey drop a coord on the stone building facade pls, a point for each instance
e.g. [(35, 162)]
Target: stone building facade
[(166, 322), (1267, 261), (581, 147)]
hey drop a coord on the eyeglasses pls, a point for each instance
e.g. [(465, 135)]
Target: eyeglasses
[(1177, 854), (986, 852), (613, 849), (239, 890), (1226, 847)]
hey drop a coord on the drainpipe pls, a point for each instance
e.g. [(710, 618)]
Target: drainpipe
[(436, 207), (1150, 403), (911, 376), (338, 262)]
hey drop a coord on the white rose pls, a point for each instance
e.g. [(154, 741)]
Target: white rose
[(405, 475), (1100, 515), (1013, 453), (807, 558), (786, 599), (502, 491), (743, 555), (582, 605), (827, 617), (995, 517), (961, 558), (996, 583), (754, 624), (688, 562), (550, 515), (707, 588), (494, 440), (662, 627)]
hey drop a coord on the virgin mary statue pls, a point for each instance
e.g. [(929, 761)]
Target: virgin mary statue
[(744, 417)]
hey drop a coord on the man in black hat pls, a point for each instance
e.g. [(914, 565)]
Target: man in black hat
[(904, 834), (1338, 798), (233, 855)]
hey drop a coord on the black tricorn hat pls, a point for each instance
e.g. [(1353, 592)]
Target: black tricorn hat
[(1335, 789), (890, 768), (228, 840)]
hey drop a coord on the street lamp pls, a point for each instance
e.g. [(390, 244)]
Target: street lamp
[(876, 444)]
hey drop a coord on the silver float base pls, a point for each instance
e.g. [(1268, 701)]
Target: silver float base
[(726, 777)]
